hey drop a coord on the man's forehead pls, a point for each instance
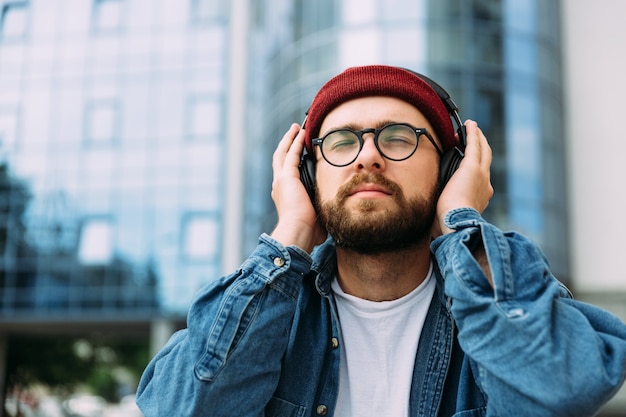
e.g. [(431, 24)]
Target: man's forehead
[(372, 112)]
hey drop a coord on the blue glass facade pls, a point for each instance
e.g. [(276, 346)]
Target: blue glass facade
[(111, 127), (113, 120), (499, 59)]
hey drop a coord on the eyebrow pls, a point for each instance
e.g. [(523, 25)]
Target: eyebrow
[(352, 126)]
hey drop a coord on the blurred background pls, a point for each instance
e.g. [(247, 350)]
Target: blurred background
[(135, 156)]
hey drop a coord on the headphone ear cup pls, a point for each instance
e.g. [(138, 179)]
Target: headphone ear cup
[(450, 162), (307, 174)]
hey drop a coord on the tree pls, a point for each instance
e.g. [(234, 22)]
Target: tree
[(14, 199), (51, 361), (66, 363)]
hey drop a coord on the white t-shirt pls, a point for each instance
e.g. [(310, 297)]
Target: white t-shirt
[(379, 343)]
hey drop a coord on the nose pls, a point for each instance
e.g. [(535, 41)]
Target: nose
[(369, 159)]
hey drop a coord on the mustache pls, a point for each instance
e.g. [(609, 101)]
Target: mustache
[(370, 178)]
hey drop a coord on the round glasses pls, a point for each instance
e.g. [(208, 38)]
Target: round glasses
[(394, 141)]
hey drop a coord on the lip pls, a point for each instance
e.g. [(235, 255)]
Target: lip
[(369, 190)]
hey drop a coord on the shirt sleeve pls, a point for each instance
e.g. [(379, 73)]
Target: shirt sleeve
[(538, 351), (228, 360)]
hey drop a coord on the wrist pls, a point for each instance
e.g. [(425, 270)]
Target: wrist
[(292, 236)]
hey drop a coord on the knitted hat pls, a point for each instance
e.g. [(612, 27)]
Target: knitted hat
[(380, 80)]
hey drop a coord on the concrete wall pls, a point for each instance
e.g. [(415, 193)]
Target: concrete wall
[(594, 50)]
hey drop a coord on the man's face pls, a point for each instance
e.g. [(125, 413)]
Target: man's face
[(375, 204)]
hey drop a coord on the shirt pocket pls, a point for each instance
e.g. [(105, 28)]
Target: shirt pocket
[(281, 408)]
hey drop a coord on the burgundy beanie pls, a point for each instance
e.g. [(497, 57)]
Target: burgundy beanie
[(380, 80)]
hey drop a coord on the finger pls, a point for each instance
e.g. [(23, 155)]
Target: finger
[(284, 145), (287, 139), (294, 154), (472, 148), (487, 153), (477, 147)]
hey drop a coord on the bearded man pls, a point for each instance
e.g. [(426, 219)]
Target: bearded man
[(382, 291)]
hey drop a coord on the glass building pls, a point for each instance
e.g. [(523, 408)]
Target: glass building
[(136, 135), (112, 123), (499, 60)]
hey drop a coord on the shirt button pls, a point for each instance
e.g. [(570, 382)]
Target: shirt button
[(322, 410), (279, 262), (334, 343)]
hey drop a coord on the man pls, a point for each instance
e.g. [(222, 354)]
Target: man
[(380, 319)]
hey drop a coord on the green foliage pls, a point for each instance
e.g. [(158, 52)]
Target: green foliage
[(66, 363), (103, 383), (132, 355), (46, 360)]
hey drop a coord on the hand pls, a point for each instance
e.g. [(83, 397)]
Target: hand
[(297, 219), (470, 186)]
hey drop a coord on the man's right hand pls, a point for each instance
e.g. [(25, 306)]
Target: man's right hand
[(297, 220), (470, 186)]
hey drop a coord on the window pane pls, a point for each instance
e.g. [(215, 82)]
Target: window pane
[(96, 242), (8, 130), (108, 14), (200, 238), (14, 20), (401, 10), (101, 122), (359, 11), (205, 120), (207, 10)]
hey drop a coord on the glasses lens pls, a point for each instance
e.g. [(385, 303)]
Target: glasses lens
[(397, 142), (340, 147)]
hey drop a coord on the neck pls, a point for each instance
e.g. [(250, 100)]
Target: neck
[(383, 276)]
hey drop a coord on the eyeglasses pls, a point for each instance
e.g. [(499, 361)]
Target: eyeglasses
[(394, 141)]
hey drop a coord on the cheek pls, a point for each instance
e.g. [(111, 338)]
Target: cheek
[(429, 167), (420, 180), (328, 182)]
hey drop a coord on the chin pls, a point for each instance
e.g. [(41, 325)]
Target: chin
[(369, 205)]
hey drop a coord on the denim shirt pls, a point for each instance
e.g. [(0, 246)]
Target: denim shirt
[(264, 340)]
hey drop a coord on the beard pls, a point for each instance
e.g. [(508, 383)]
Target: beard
[(371, 230)]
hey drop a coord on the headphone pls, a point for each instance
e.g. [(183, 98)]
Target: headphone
[(450, 160)]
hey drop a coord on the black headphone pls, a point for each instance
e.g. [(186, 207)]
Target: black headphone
[(450, 160)]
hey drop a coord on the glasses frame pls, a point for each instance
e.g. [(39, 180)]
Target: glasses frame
[(419, 131)]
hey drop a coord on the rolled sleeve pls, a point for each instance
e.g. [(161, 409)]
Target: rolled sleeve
[(237, 332), (538, 352)]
